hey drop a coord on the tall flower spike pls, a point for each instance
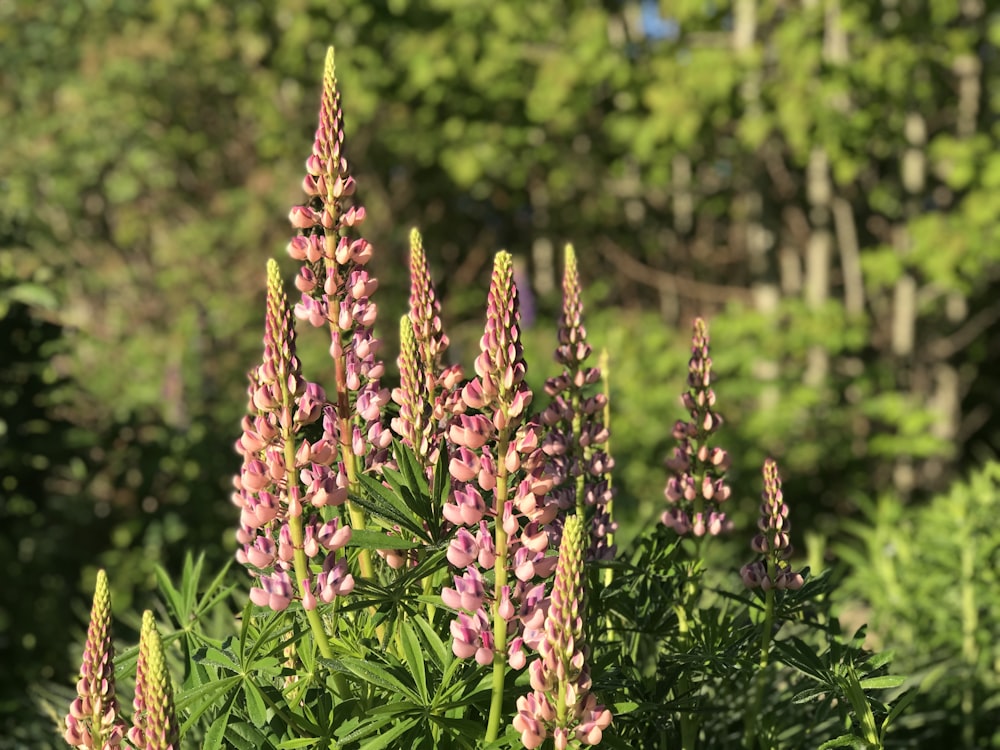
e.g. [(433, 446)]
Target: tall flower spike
[(93, 720), (286, 481), (428, 386), (337, 290), (577, 435), (154, 723), (697, 487), (498, 500), (561, 704), (772, 570)]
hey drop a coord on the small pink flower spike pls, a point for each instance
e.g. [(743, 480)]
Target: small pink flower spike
[(772, 543), (93, 720), (576, 438), (561, 704), (695, 507), (271, 491)]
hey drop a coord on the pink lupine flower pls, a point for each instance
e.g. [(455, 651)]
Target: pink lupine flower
[(337, 286), (286, 479), (561, 704), (696, 489), (154, 722), (497, 467), (576, 438), (772, 543), (93, 720)]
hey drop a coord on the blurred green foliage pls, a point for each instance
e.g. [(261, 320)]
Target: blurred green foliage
[(928, 586), (819, 181)]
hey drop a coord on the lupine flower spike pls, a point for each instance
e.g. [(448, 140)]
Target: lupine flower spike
[(697, 489), (93, 720), (154, 724), (576, 441), (561, 704), (286, 480), (427, 395), (337, 291), (498, 501), (772, 570)]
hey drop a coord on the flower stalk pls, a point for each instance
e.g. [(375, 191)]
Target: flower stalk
[(336, 291), (154, 723), (93, 720), (770, 572), (561, 704), (285, 476), (577, 436), (697, 488), (498, 501)]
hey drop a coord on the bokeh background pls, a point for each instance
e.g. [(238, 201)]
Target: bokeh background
[(819, 178)]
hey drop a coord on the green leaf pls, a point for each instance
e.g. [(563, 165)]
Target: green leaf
[(882, 683), (376, 674), (382, 502), (798, 654), (256, 709), (844, 740), (219, 657), (370, 539), (216, 732), (387, 738), (438, 652), (414, 657)]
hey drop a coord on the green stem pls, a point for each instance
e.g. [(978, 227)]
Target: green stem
[(689, 724), (301, 563), (750, 720), (344, 418), (581, 454), (500, 578)]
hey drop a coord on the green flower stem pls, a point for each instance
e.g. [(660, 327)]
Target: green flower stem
[(581, 483), (344, 416), (750, 736), (301, 563), (427, 587), (500, 576)]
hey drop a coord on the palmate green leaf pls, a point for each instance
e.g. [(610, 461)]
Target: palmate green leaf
[(465, 733), (199, 700), (374, 674), (221, 656), (442, 482), (383, 503), (356, 729), (410, 469), (800, 655), (875, 661), (810, 694), (298, 742)]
